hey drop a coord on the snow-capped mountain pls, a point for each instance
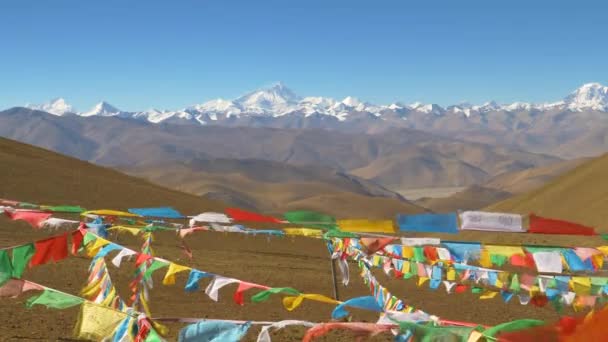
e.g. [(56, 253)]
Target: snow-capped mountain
[(279, 102), (56, 106), (102, 109), (593, 96)]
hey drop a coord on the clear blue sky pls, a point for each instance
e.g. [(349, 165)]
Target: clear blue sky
[(170, 54)]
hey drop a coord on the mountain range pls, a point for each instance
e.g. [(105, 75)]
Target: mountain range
[(278, 100), (576, 126), (396, 159)]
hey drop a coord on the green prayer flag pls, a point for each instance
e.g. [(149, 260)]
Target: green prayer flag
[(519, 324), (498, 260), (311, 219), (155, 228), (157, 264), (54, 299), (6, 268), (476, 290), (65, 209), (153, 336), (419, 254), (28, 205), (424, 333), (605, 236), (515, 287), (264, 295), (534, 249), (88, 237), (339, 234), (21, 258)]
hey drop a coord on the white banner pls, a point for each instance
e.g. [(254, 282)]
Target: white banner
[(497, 222)]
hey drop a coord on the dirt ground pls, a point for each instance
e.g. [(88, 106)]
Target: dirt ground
[(301, 263)]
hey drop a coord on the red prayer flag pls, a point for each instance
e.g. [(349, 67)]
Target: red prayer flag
[(77, 238), (430, 253), (243, 215), (372, 245), (52, 249), (460, 288), (244, 286), (32, 217), (542, 225)]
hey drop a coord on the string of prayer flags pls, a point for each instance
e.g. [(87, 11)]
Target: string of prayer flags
[(431, 223), (213, 331), (494, 222), (160, 212), (311, 219), (243, 215), (542, 225), (367, 226)]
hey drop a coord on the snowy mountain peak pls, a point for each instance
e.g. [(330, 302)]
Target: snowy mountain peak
[(589, 96), (275, 100), (351, 101), (56, 106), (102, 109)]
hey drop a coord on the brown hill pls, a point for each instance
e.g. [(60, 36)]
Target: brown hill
[(446, 164), (471, 198), (37, 175), (580, 195), (522, 181), (275, 187)]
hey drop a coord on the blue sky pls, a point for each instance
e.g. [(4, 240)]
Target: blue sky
[(171, 54)]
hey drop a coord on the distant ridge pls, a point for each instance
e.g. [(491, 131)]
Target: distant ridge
[(580, 195)]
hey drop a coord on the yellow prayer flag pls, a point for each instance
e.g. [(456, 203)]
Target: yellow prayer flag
[(581, 285), (422, 280), (173, 269), (132, 230), (107, 212), (292, 302), (484, 258), (506, 251), (97, 322), (474, 336), (451, 274), (598, 260), (488, 295), (603, 249), (366, 226), (406, 267), (93, 248), (304, 232), (407, 252)]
